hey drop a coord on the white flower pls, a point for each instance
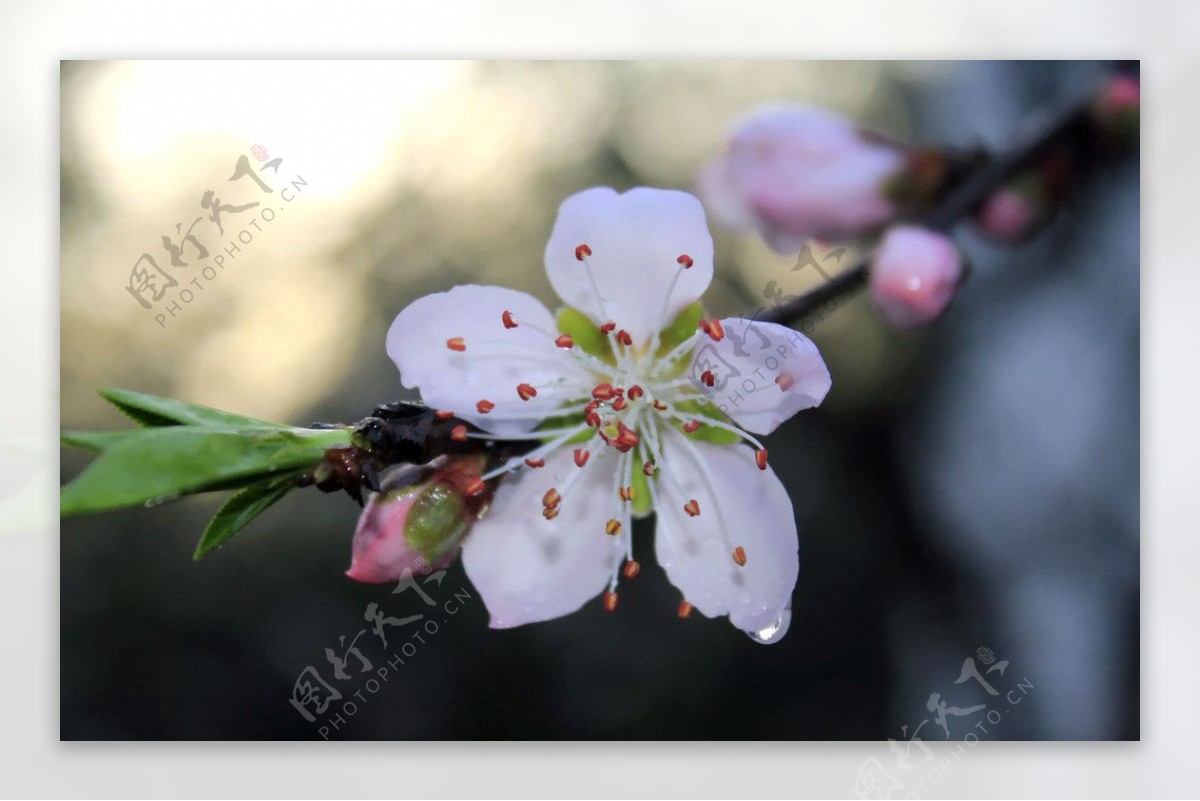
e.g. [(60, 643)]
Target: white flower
[(617, 375)]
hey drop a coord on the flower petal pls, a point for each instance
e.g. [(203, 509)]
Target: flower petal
[(635, 241), (740, 506), (495, 360), (530, 569), (764, 373)]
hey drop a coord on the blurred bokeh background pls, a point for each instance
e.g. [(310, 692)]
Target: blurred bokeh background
[(971, 486)]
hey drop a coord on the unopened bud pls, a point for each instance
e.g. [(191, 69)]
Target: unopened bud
[(914, 273), (415, 526)]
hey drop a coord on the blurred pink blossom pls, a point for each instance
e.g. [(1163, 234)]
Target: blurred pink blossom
[(914, 273), (795, 172)]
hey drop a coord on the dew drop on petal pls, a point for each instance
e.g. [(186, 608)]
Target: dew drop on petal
[(774, 632)]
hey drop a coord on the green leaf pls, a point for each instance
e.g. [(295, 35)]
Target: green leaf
[(239, 510), (94, 440), (155, 411), (153, 465), (585, 333)]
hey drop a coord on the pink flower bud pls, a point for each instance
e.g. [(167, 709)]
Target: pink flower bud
[(417, 527), (1005, 215), (914, 273), (1119, 95), (795, 172)]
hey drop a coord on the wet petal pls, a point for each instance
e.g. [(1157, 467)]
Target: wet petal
[(740, 506), (635, 241), (495, 359), (530, 569), (764, 373)]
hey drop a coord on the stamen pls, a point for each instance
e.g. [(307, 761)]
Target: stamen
[(508, 320), (685, 610), (443, 414), (631, 569), (581, 457), (526, 391), (474, 487), (619, 404), (624, 338), (459, 433), (708, 379), (535, 463), (785, 381), (456, 343), (634, 392), (613, 527), (610, 601), (551, 498), (760, 458), (712, 327), (565, 341), (485, 406), (550, 512), (691, 425), (692, 507), (648, 469), (603, 391), (739, 556), (582, 252), (662, 407), (625, 493), (686, 261), (608, 328), (626, 437)]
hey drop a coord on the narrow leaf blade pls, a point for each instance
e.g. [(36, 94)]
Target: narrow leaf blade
[(242, 508)]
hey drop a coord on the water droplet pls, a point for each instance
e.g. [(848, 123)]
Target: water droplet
[(774, 632)]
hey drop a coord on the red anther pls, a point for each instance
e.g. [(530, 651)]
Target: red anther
[(708, 379), (456, 343), (525, 391), (619, 404), (608, 327), (692, 508), (551, 498), (634, 392), (626, 437), (713, 328), (624, 338), (603, 392), (785, 381), (613, 527), (565, 342), (760, 458), (508, 320), (685, 610), (582, 252), (610, 601), (550, 512), (474, 487), (443, 414), (686, 261), (459, 433), (648, 469), (591, 418), (662, 407), (691, 425), (739, 556), (631, 569), (581, 457), (535, 463), (484, 406)]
